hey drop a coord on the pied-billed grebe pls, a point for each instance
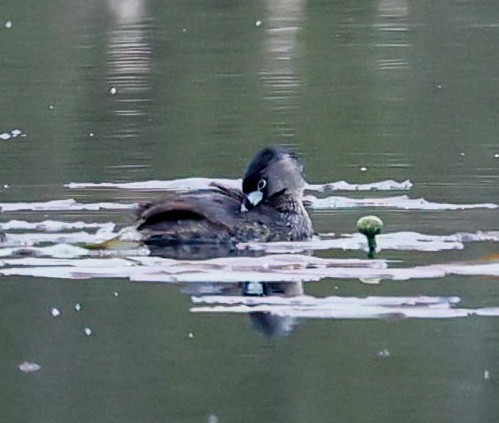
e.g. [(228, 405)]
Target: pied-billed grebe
[(269, 208)]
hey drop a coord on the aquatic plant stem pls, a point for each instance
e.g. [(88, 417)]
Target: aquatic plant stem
[(371, 242)]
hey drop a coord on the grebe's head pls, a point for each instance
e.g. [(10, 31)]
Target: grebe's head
[(273, 171)]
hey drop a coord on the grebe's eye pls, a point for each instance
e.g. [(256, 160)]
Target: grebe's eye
[(262, 183)]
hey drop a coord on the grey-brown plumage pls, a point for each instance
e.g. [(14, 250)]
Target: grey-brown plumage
[(269, 208)]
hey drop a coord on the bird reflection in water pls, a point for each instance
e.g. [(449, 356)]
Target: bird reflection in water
[(266, 323)]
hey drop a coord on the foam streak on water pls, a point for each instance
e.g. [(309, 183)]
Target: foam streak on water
[(273, 268), (66, 236), (186, 184), (203, 183), (398, 202), (353, 312), (306, 307), (336, 202), (63, 205), (392, 241), (54, 226)]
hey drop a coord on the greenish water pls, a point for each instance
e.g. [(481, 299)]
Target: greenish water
[(364, 91)]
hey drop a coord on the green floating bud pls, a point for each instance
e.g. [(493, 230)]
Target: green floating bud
[(370, 226)]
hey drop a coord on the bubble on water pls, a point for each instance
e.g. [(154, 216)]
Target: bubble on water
[(87, 331), (8, 24), (113, 90), (212, 418), (55, 312), (29, 367), (384, 353)]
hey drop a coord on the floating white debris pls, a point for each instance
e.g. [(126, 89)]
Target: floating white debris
[(398, 202), (201, 183), (6, 186), (191, 335), (363, 169), (387, 185), (78, 307), (91, 135), (51, 107), (87, 331), (56, 238), (486, 374), (272, 268), (258, 23), (63, 205), (326, 302), (55, 225), (186, 184), (113, 90), (116, 294), (29, 367), (496, 155), (12, 134), (350, 312), (57, 251), (218, 277), (55, 312), (8, 24), (307, 307), (407, 241)]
